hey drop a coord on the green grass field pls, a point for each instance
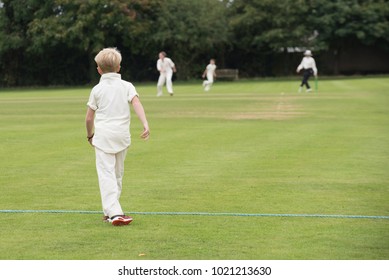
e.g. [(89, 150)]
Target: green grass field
[(250, 147)]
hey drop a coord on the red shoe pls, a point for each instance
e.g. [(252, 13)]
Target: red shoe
[(121, 220)]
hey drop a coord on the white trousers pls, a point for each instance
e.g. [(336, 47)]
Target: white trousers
[(165, 77), (208, 82), (110, 170)]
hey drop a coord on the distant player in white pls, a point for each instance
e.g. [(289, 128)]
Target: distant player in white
[(166, 68), (309, 66), (210, 73)]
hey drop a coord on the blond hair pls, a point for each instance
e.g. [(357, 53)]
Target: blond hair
[(109, 60)]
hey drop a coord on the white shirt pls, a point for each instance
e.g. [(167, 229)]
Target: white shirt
[(210, 71), (110, 100), (165, 66), (306, 63)]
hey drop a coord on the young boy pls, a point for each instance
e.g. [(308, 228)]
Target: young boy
[(108, 130), (166, 67), (210, 73), (309, 66)]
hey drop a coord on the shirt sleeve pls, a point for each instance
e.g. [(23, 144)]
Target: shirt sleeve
[(92, 103), (131, 92), (171, 63)]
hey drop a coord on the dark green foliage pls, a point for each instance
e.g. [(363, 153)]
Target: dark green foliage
[(53, 42)]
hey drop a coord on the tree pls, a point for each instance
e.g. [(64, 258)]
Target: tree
[(58, 36), (140, 29), (14, 19), (262, 28), (191, 32), (88, 26), (342, 25), (46, 42)]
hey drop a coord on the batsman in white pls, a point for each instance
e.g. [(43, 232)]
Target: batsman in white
[(108, 130)]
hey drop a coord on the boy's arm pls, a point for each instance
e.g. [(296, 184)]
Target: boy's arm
[(173, 66), (140, 112), (89, 122)]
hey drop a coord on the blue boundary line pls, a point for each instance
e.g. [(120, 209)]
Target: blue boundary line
[(203, 214)]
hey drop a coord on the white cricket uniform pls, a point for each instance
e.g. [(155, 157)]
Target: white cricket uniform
[(110, 100), (165, 68), (211, 68)]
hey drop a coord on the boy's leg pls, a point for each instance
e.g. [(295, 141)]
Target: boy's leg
[(306, 82), (309, 74), (210, 81), (105, 165), (301, 85), (161, 82), (169, 83), (119, 170), (305, 78), (207, 86)]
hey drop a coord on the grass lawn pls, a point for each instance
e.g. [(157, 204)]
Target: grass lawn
[(248, 147)]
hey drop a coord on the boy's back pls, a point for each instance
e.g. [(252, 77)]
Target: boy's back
[(110, 99)]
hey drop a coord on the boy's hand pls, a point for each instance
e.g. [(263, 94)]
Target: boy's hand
[(146, 134), (90, 138), (90, 142)]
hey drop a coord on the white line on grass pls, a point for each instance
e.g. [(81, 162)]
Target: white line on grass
[(203, 214)]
